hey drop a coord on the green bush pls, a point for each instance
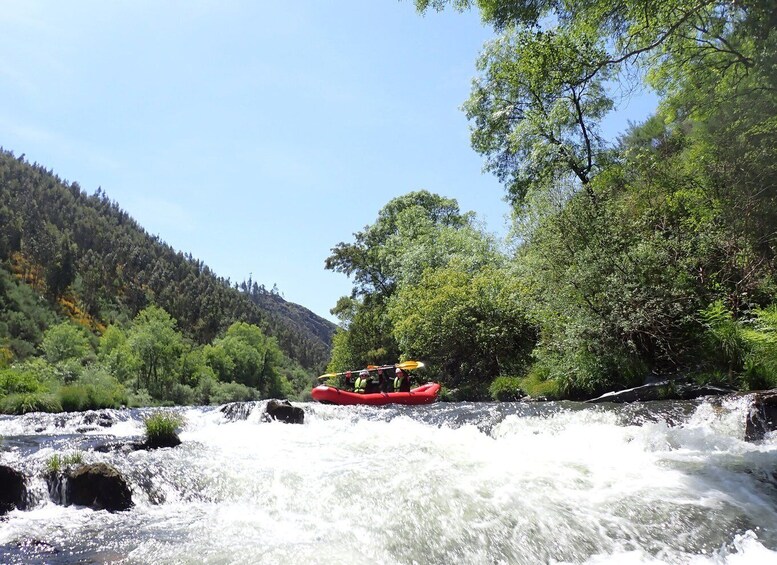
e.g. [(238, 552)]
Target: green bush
[(95, 389), (15, 381), (760, 366), (183, 395), (162, 427), (233, 392), (140, 399), (537, 385), (74, 398), (18, 404), (506, 389), (465, 392)]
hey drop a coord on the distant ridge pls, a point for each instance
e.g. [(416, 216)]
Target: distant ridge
[(92, 262)]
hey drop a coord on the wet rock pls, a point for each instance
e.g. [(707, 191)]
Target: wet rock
[(119, 446), (98, 486), (283, 410), (130, 446), (762, 416), (662, 390), (235, 411), (101, 419), (13, 490), (158, 441)]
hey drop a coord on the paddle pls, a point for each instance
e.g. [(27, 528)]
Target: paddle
[(405, 366)]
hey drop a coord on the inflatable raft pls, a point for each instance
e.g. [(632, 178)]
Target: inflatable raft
[(424, 394)]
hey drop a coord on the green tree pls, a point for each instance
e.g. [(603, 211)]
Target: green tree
[(621, 248), (156, 345), (412, 232), (65, 341), (247, 356), (470, 326), (541, 89), (368, 262)]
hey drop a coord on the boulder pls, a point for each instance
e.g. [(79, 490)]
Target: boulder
[(283, 410), (101, 419), (762, 416), (162, 440), (98, 486), (235, 411), (13, 490)]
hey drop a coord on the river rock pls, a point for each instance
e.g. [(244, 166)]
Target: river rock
[(98, 486), (283, 410), (662, 390), (157, 442), (101, 419), (235, 411), (13, 490), (762, 416)]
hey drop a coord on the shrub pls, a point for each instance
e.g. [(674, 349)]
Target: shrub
[(14, 381), (95, 389), (232, 392), (506, 389), (760, 366), (183, 395), (537, 385), (18, 404), (140, 399), (162, 428), (73, 398)]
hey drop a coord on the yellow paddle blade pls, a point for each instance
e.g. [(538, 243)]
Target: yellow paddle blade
[(410, 365), (327, 376)]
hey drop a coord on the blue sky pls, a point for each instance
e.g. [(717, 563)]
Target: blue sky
[(255, 135)]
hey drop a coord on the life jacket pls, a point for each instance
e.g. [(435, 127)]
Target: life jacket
[(399, 380), (360, 384)]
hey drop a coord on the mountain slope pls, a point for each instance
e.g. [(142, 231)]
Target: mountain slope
[(90, 261)]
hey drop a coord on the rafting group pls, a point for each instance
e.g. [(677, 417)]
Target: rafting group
[(376, 385)]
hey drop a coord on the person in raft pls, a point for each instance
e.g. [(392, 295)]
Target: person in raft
[(360, 384), (383, 380), (401, 381)]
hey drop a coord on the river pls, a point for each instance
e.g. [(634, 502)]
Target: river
[(489, 483)]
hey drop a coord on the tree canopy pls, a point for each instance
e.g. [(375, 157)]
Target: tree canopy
[(653, 254)]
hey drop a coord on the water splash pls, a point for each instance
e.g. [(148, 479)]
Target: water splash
[(463, 483)]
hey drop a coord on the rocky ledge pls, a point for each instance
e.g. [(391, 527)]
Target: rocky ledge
[(98, 486), (13, 490)]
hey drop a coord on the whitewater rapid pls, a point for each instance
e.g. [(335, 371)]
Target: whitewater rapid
[(440, 484)]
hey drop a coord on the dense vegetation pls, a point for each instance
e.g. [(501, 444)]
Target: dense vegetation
[(655, 255), (95, 312)]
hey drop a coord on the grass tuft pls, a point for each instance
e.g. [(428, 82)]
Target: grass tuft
[(57, 462), (162, 428)]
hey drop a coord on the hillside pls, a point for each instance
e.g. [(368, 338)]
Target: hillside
[(82, 257)]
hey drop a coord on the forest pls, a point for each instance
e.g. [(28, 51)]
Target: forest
[(95, 312), (649, 257)]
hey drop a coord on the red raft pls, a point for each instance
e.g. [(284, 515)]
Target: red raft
[(424, 394)]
